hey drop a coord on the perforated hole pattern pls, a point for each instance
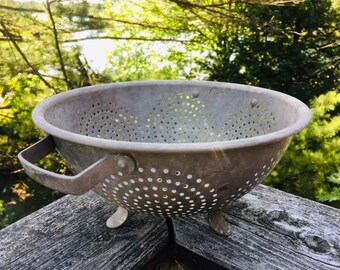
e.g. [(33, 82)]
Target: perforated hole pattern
[(175, 119), (168, 191)]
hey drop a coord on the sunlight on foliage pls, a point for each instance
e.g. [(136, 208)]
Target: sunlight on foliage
[(334, 194), (135, 61), (310, 167), (21, 189), (3, 217)]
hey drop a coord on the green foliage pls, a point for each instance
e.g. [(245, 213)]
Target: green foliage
[(310, 167), (20, 194), (134, 61), (78, 14), (293, 49), (36, 62), (20, 94), (334, 194), (334, 178), (3, 218)]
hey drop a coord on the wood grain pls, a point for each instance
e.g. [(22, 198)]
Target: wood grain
[(271, 230), (71, 234)]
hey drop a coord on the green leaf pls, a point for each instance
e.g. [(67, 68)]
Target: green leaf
[(330, 197), (334, 178)]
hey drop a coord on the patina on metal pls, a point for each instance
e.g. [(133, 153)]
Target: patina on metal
[(169, 148)]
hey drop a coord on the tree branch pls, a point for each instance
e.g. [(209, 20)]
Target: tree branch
[(6, 107), (34, 70), (189, 4), (21, 9), (213, 10), (17, 39), (6, 116), (132, 38), (56, 39), (156, 26)]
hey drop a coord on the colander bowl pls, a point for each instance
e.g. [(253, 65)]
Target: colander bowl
[(168, 148)]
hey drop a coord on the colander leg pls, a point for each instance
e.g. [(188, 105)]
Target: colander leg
[(218, 223), (118, 218)]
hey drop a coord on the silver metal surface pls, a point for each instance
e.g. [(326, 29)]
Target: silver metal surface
[(218, 223), (118, 218), (77, 184), (179, 147)]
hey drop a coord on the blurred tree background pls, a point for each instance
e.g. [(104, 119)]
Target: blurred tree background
[(290, 46)]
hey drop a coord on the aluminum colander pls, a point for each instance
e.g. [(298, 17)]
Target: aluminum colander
[(168, 148)]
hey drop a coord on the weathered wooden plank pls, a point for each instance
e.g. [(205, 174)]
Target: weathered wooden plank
[(271, 230), (71, 234)]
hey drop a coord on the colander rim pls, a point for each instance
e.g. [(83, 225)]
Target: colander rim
[(303, 118)]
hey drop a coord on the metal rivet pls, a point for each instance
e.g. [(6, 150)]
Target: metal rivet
[(253, 102), (195, 94), (121, 163)]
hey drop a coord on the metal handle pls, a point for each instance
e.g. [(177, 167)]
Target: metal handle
[(77, 184)]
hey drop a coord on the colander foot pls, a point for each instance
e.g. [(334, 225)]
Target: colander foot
[(218, 223), (118, 218)]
